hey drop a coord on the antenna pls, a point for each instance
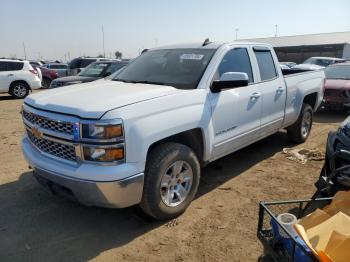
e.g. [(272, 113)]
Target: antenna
[(206, 42)]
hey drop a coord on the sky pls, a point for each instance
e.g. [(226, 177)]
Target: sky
[(71, 28)]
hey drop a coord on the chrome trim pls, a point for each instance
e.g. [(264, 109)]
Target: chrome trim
[(70, 140), (48, 131), (72, 163)]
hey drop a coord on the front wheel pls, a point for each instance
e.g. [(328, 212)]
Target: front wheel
[(19, 90), (300, 130), (171, 181)]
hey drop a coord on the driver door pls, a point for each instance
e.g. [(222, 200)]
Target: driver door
[(236, 113)]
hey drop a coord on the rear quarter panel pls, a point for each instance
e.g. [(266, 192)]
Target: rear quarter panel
[(298, 87)]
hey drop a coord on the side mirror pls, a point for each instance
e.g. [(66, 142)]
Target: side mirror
[(230, 80)]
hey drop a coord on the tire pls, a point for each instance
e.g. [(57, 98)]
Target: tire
[(300, 130), (172, 177), (46, 82), (19, 90)]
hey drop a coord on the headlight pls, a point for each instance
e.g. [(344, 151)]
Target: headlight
[(101, 154), (102, 131)]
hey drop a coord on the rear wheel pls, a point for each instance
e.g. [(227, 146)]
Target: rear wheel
[(171, 181), (300, 130), (19, 90), (46, 82)]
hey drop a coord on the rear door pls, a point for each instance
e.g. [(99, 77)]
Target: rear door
[(9, 73), (4, 81), (273, 90), (235, 112)]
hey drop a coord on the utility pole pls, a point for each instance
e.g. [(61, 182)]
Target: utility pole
[(236, 30), (103, 42), (24, 50), (276, 28)]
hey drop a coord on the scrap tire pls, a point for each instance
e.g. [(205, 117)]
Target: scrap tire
[(159, 161), (300, 130)]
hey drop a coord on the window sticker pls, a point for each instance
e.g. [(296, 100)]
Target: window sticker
[(191, 56)]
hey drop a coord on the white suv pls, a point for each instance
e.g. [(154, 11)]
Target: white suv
[(17, 78)]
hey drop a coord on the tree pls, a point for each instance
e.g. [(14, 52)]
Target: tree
[(118, 55), (100, 56)]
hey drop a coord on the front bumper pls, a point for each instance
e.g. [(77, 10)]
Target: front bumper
[(106, 186), (113, 194)]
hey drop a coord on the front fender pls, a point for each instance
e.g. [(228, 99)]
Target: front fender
[(151, 121)]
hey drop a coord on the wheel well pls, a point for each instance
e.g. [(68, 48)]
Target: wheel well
[(311, 100), (192, 138), (19, 81)]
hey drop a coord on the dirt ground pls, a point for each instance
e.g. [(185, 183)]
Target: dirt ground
[(220, 225)]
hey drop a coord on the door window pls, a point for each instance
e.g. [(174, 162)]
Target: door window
[(3, 66), (14, 66), (236, 60), (266, 65)]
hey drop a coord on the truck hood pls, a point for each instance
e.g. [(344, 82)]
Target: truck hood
[(92, 100)]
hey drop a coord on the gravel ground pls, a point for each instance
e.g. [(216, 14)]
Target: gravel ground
[(220, 225)]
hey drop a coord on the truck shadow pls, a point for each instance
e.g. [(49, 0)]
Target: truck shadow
[(35, 226), (329, 117)]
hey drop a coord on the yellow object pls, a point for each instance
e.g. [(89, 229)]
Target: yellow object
[(313, 219), (327, 232), (341, 253)]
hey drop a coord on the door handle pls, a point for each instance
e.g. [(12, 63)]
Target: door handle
[(255, 96), (280, 90), (10, 75)]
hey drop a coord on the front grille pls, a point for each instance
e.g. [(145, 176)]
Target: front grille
[(56, 149), (54, 125)]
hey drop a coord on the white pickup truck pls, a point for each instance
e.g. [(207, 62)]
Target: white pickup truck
[(143, 136)]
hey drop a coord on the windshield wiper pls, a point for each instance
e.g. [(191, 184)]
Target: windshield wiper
[(148, 82), (139, 82), (124, 81)]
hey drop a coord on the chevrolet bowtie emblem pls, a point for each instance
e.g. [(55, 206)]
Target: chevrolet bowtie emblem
[(36, 133)]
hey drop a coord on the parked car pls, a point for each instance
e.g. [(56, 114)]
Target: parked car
[(337, 86), (323, 61), (77, 64), (36, 66), (92, 72), (142, 137), (18, 78), (52, 71), (289, 64), (309, 67), (284, 67)]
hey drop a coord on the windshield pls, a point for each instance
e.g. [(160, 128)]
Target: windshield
[(319, 61), (338, 72), (180, 68), (95, 70)]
